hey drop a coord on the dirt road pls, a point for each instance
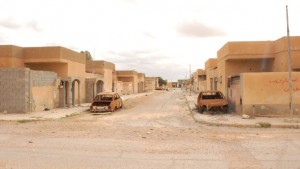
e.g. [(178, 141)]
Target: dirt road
[(155, 131)]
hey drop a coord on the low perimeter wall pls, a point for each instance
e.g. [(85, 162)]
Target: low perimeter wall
[(267, 94), (23, 90)]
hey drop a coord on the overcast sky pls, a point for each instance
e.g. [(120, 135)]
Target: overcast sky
[(155, 37)]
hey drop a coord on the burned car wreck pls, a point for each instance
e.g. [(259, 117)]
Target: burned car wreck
[(106, 101), (211, 100)]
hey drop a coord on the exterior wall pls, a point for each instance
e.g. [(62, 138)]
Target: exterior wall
[(11, 56), (76, 70), (89, 90), (126, 81), (260, 56), (97, 66), (150, 83), (211, 68), (66, 63), (108, 80), (195, 81), (14, 89), (60, 68), (254, 49), (51, 54), (135, 84), (68, 69), (270, 94), (91, 86), (235, 67), (24, 91), (127, 88), (198, 77), (281, 53), (104, 68), (44, 90), (141, 82), (174, 84), (169, 85), (128, 76), (11, 63), (118, 87), (183, 83), (202, 85)]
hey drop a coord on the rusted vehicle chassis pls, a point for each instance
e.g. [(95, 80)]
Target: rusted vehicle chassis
[(211, 101), (106, 101)]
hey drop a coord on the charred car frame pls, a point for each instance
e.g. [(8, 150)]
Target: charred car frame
[(106, 101), (211, 100)]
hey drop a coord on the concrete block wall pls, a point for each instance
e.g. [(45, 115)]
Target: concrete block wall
[(43, 90), (16, 86), (14, 90), (43, 78)]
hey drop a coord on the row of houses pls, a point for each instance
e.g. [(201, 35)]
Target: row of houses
[(253, 75), (39, 78)]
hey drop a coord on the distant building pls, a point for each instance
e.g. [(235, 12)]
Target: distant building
[(199, 80), (133, 82), (151, 83), (169, 85), (141, 82), (211, 68), (183, 83), (174, 84)]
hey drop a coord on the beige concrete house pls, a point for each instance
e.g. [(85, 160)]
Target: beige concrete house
[(118, 87), (129, 79), (212, 78), (49, 76), (168, 85), (151, 83), (99, 77), (141, 82), (174, 84), (183, 83), (253, 75), (199, 80)]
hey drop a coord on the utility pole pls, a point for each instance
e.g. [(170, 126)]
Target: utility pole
[(289, 63)]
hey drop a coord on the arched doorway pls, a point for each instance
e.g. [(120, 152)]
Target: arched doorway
[(75, 93), (99, 86)]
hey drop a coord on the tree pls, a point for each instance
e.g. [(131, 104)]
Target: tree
[(161, 81), (87, 54)]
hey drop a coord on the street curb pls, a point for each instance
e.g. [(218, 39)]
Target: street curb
[(238, 125)]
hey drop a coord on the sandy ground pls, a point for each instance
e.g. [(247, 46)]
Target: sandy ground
[(154, 131)]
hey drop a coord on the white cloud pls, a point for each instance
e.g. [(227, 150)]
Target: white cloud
[(196, 29)]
